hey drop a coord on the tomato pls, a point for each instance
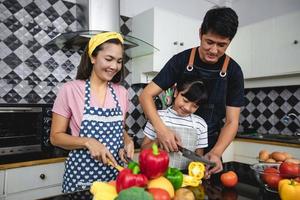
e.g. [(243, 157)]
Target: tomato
[(268, 171), (159, 194), (229, 179), (272, 180), (289, 169), (271, 176)]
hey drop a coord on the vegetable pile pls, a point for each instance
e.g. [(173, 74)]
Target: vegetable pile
[(150, 179)]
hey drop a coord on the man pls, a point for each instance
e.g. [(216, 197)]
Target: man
[(222, 76)]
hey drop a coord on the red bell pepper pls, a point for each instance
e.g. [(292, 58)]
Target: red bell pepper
[(129, 178), (153, 162)]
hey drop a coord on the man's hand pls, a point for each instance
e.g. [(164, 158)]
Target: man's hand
[(214, 158), (167, 139)]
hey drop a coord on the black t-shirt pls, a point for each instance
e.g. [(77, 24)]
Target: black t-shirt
[(174, 68)]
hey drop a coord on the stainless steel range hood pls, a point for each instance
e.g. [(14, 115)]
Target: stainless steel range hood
[(96, 16)]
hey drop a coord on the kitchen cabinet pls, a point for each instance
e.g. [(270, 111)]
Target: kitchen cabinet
[(1, 183), (169, 32), (247, 152), (269, 49), (33, 182)]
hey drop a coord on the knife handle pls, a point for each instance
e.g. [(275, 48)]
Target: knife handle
[(118, 167)]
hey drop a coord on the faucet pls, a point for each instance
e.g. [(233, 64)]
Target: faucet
[(288, 118)]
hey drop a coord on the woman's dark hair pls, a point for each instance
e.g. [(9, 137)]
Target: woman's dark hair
[(220, 20), (85, 66), (194, 90)]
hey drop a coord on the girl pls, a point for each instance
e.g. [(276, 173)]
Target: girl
[(190, 129)]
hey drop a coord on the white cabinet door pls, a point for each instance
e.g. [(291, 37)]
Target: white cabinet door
[(1, 183), (286, 50), (166, 37), (268, 49), (169, 32), (241, 50), (34, 182), (263, 45), (188, 32)]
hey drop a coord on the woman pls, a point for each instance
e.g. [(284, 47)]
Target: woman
[(94, 106)]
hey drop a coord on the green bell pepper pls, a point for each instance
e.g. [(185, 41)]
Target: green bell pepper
[(175, 176)]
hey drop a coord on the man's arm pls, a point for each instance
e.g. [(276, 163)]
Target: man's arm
[(226, 136), (165, 136)]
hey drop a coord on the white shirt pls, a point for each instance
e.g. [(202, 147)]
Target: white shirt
[(171, 118)]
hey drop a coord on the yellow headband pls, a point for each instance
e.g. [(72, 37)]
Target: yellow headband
[(100, 38)]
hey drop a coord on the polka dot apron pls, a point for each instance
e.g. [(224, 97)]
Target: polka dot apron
[(105, 125)]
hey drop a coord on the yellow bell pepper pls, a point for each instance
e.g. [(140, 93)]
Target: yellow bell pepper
[(196, 169), (289, 189), (190, 181), (103, 191)]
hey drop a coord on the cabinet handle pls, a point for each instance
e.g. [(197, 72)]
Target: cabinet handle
[(295, 41), (181, 43), (42, 176), (175, 43)]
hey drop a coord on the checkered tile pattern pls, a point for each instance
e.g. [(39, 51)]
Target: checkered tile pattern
[(265, 108), (32, 73)]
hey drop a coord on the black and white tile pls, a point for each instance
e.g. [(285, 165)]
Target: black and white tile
[(265, 109), (32, 72)]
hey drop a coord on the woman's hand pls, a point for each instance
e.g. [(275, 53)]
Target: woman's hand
[(218, 168), (99, 152)]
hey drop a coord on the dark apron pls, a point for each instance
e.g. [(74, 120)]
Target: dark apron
[(216, 82)]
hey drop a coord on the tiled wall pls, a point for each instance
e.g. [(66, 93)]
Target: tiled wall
[(265, 109), (32, 72)]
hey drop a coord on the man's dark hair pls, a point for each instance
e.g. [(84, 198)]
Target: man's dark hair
[(220, 20)]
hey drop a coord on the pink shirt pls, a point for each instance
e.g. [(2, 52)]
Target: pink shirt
[(70, 102)]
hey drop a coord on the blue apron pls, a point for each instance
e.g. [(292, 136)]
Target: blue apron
[(216, 82), (105, 125)]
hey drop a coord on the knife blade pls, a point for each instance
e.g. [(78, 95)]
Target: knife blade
[(194, 157)]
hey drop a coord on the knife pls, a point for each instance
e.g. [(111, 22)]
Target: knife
[(193, 156)]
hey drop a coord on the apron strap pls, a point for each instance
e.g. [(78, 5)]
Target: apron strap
[(223, 71), (191, 60)]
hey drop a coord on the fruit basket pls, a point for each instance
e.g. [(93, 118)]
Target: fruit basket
[(261, 176), (268, 175)]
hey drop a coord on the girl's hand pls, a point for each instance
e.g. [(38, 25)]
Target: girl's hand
[(99, 152), (127, 151)]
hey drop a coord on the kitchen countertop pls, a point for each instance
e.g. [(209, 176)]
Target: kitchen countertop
[(247, 187), (38, 158), (29, 159), (281, 140)]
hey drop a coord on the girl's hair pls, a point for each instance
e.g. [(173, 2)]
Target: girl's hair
[(85, 66), (194, 91)]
